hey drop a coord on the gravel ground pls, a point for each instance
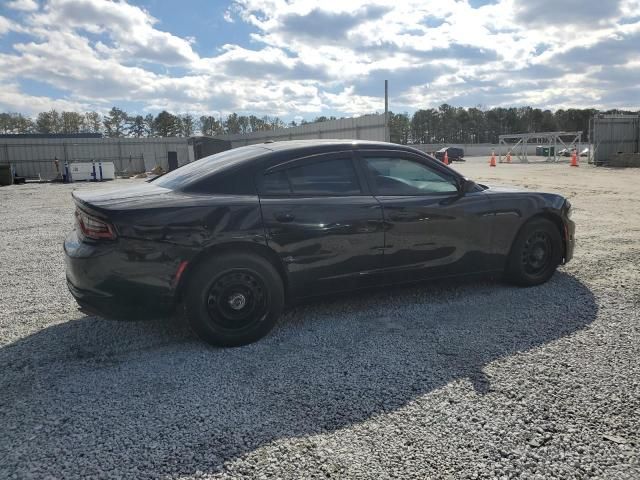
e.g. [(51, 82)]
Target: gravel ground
[(458, 379)]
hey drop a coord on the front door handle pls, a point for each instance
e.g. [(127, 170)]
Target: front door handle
[(401, 215), (284, 217)]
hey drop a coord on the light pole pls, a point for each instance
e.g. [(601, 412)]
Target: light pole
[(387, 133)]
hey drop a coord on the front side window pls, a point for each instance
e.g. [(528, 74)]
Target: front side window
[(399, 176), (329, 177)]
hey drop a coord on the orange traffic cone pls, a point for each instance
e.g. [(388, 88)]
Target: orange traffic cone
[(492, 162), (574, 159), (446, 158), (509, 156)]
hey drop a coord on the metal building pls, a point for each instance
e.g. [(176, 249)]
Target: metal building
[(367, 127), (614, 137), (34, 156)]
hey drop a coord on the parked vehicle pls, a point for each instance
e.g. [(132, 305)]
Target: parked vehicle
[(565, 152), (232, 238), (454, 154), (585, 152)]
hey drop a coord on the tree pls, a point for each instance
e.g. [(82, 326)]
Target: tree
[(548, 122), (5, 123), (48, 122), (476, 125), (231, 124), (276, 123), (148, 123), (424, 126), (243, 122), (399, 128), (15, 123), (187, 123), (256, 123), (209, 125), (115, 122), (92, 122), (166, 124), (137, 127), (71, 122)]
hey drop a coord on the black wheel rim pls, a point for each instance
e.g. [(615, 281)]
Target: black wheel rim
[(237, 299), (537, 253)]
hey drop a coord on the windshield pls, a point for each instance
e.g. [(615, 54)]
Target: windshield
[(183, 176)]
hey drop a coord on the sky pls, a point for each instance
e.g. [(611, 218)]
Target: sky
[(302, 59)]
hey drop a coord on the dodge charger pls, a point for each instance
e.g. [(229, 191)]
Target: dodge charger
[(230, 240)]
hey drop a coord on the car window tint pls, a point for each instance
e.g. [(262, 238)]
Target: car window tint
[(276, 183), (399, 176), (191, 172), (329, 177), (233, 183)]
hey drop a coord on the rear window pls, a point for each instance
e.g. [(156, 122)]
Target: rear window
[(192, 172)]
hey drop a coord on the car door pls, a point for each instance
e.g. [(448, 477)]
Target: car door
[(431, 229), (323, 222)]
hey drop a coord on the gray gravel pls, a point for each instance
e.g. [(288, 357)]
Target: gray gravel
[(458, 379)]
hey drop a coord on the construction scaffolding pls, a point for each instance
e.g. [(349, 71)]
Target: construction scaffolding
[(518, 144)]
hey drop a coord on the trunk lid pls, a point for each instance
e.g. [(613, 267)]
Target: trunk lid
[(143, 195)]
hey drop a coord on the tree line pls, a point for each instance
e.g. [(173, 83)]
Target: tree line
[(448, 124), (118, 123), (445, 124)]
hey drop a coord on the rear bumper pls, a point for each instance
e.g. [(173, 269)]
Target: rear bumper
[(121, 279), (132, 307)]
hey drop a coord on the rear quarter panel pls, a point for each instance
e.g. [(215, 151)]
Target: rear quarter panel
[(198, 221)]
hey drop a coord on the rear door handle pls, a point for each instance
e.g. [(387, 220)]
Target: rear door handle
[(284, 217)]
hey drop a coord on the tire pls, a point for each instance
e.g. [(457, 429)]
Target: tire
[(535, 253), (233, 299)]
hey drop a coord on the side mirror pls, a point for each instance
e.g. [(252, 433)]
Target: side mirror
[(466, 185)]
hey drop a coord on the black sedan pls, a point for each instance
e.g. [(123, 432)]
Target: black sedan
[(232, 238), (454, 154)]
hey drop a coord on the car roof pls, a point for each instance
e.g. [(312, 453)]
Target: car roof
[(324, 145)]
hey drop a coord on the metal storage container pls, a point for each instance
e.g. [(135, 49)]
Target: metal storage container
[(6, 175)]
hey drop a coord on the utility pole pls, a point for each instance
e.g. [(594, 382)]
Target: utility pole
[(387, 136)]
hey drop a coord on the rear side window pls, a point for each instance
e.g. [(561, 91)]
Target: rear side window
[(329, 177), (190, 173), (232, 183), (276, 183)]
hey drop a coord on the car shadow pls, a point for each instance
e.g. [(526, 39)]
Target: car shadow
[(148, 397)]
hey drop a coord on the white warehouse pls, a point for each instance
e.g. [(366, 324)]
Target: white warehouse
[(34, 156)]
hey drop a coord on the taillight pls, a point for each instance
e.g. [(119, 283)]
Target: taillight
[(94, 228)]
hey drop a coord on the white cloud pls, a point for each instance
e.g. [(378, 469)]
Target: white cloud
[(24, 5), (5, 25), (130, 28), (308, 57), (13, 100)]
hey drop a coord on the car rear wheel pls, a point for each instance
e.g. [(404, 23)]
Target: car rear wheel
[(535, 254), (234, 299)]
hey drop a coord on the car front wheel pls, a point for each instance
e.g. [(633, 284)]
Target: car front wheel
[(234, 299), (535, 254)]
